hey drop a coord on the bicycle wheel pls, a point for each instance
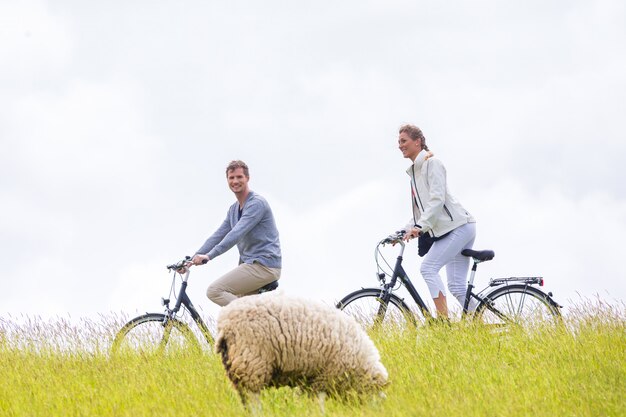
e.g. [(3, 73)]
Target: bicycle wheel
[(152, 333), (367, 309), (518, 304)]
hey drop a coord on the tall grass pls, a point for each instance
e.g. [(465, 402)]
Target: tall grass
[(56, 368)]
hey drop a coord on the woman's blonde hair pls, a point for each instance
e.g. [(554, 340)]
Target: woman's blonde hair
[(414, 133)]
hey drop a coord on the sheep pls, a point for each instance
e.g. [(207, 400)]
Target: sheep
[(271, 340)]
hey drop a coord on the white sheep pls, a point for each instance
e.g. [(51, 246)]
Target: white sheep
[(271, 340)]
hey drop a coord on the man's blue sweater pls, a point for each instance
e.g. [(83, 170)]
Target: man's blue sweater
[(254, 233)]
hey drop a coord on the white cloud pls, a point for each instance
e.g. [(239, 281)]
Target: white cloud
[(573, 243), (117, 120), (36, 47), (93, 133)]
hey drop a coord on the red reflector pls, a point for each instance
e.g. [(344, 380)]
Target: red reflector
[(541, 282)]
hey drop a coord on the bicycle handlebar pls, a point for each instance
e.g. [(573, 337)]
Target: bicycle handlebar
[(183, 263), (180, 264), (394, 238)]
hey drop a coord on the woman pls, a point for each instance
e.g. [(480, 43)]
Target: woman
[(439, 215)]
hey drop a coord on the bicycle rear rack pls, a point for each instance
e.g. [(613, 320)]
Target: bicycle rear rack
[(493, 282)]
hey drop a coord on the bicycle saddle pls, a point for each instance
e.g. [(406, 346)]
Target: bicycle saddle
[(269, 287), (481, 255)]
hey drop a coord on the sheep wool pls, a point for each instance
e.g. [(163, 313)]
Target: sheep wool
[(274, 340)]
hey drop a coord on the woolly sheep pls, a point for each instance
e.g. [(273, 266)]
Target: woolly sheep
[(271, 340)]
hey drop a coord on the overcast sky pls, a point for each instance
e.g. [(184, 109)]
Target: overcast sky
[(118, 118)]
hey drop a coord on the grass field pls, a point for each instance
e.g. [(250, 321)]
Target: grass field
[(55, 368)]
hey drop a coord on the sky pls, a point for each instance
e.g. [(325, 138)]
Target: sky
[(118, 118)]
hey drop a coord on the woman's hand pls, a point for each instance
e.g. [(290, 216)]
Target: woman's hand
[(412, 234)]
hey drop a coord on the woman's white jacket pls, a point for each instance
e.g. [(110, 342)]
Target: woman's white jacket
[(435, 210)]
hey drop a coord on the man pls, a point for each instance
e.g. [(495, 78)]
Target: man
[(250, 225)]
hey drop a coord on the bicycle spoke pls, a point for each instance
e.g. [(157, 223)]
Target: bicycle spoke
[(517, 304), (510, 304), (367, 308), (521, 305)]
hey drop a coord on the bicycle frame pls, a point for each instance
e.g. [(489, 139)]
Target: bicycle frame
[(182, 268), (169, 319), (184, 300), (399, 272), (470, 294)]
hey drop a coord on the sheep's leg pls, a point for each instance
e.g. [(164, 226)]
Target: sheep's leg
[(249, 381), (321, 396), (251, 401), (253, 404)]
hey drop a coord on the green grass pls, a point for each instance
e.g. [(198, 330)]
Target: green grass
[(55, 368)]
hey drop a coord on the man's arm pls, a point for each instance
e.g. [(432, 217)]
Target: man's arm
[(216, 237), (251, 216)]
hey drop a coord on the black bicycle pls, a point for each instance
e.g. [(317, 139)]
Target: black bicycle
[(504, 301), (164, 332)]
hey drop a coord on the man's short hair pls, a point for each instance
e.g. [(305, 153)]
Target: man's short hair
[(238, 164)]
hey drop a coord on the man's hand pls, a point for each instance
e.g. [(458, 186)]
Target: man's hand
[(199, 259), (412, 234)]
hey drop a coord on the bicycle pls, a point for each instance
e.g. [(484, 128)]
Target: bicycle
[(164, 332), (513, 300)]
